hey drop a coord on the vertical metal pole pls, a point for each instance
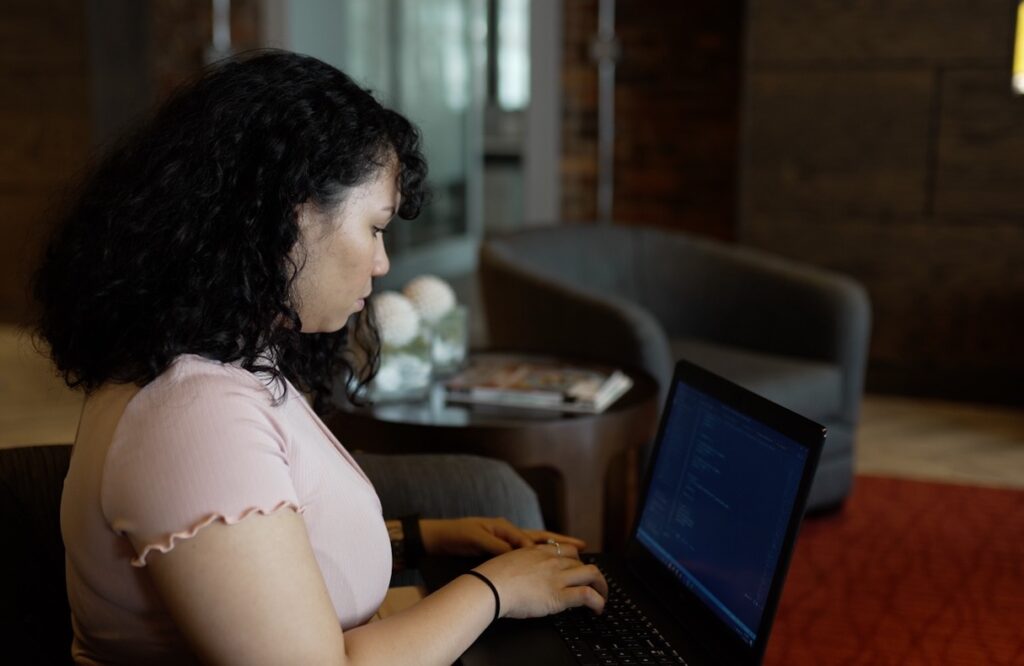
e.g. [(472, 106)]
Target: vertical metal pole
[(492, 53), (1018, 52), (220, 47), (476, 22), (401, 241), (605, 51)]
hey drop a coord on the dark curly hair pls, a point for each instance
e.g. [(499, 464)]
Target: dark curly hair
[(179, 239)]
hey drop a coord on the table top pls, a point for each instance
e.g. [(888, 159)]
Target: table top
[(435, 411)]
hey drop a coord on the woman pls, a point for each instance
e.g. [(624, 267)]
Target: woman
[(202, 282)]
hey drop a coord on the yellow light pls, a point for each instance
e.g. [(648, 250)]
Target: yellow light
[(1018, 52)]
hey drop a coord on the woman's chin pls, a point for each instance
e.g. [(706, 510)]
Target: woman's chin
[(330, 326)]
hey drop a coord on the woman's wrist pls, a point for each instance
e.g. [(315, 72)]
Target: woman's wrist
[(430, 534), (494, 590)]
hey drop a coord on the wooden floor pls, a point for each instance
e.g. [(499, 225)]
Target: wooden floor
[(905, 437), (944, 441)]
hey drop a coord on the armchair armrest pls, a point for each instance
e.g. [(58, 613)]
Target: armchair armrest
[(538, 312)]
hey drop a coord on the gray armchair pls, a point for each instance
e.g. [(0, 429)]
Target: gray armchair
[(641, 298)]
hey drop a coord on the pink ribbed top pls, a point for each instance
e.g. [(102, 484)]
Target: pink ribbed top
[(200, 443)]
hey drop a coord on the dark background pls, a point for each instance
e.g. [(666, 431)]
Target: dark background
[(880, 139)]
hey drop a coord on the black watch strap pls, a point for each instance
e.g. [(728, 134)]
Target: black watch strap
[(413, 540)]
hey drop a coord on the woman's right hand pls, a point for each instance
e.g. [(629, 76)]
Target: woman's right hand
[(538, 581)]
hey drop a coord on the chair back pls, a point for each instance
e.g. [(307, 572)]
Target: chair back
[(577, 292), (603, 260), (35, 618)]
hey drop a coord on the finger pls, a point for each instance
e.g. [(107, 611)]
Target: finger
[(493, 545), (561, 561), (561, 549), (547, 548), (512, 534), (540, 536), (588, 574), (544, 535), (573, 597), (569, 551)]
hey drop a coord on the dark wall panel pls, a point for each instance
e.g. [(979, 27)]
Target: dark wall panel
[(811, 135), (942, 294), (980, 147), (882, 140), (819, 32), (44, 129)]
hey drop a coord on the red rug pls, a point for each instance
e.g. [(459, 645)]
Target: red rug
[(907, 573)]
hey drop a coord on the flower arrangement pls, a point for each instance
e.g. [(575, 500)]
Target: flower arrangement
[(405, 362), (397, 319), (435, 301), (422, 332), (432, 297)]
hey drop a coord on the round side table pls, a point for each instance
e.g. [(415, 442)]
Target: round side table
[(594, 457)]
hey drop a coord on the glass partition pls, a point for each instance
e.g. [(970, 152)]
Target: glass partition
[(425, 58)]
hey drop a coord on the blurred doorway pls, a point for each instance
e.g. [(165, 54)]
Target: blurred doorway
[(426, 59), (466, 72)]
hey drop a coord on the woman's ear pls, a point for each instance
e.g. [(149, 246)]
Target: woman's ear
[(304, 215)]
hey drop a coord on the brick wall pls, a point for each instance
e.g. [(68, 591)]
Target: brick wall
[(579, 112), (677, 100)]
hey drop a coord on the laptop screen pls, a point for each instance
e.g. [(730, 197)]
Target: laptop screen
[(720, 499)]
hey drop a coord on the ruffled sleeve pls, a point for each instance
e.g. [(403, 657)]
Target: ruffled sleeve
[(199, 444)]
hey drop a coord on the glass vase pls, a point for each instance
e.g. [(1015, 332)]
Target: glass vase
[(405, 372), (450, 339)]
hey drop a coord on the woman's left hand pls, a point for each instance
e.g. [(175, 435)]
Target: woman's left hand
[(487, 536)]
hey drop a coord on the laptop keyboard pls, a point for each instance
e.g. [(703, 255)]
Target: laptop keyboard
[(620, 635)]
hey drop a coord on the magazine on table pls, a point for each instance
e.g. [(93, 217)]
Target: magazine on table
[(537, 384)]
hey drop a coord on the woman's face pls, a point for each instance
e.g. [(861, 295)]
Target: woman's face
[(344, 251)]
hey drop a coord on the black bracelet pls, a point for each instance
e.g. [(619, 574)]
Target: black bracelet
[(497, 599), (413, 540)]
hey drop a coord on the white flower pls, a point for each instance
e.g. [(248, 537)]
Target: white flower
[(396, 318), (432, 297)]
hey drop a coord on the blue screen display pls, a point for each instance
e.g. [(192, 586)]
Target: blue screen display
[(719, 503)]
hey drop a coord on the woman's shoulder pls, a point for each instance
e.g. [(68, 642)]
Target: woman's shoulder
[(192, 374), (196, 401), (194, 385)]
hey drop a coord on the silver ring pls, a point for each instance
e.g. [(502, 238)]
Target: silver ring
[(558, 546)]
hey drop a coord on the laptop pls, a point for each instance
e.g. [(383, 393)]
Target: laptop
[(702, 573)]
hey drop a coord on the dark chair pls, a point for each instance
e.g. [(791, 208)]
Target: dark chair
[(641, 298), (451, 486), (35, 618)]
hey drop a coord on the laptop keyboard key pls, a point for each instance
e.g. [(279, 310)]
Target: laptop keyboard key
[(621, 635)]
